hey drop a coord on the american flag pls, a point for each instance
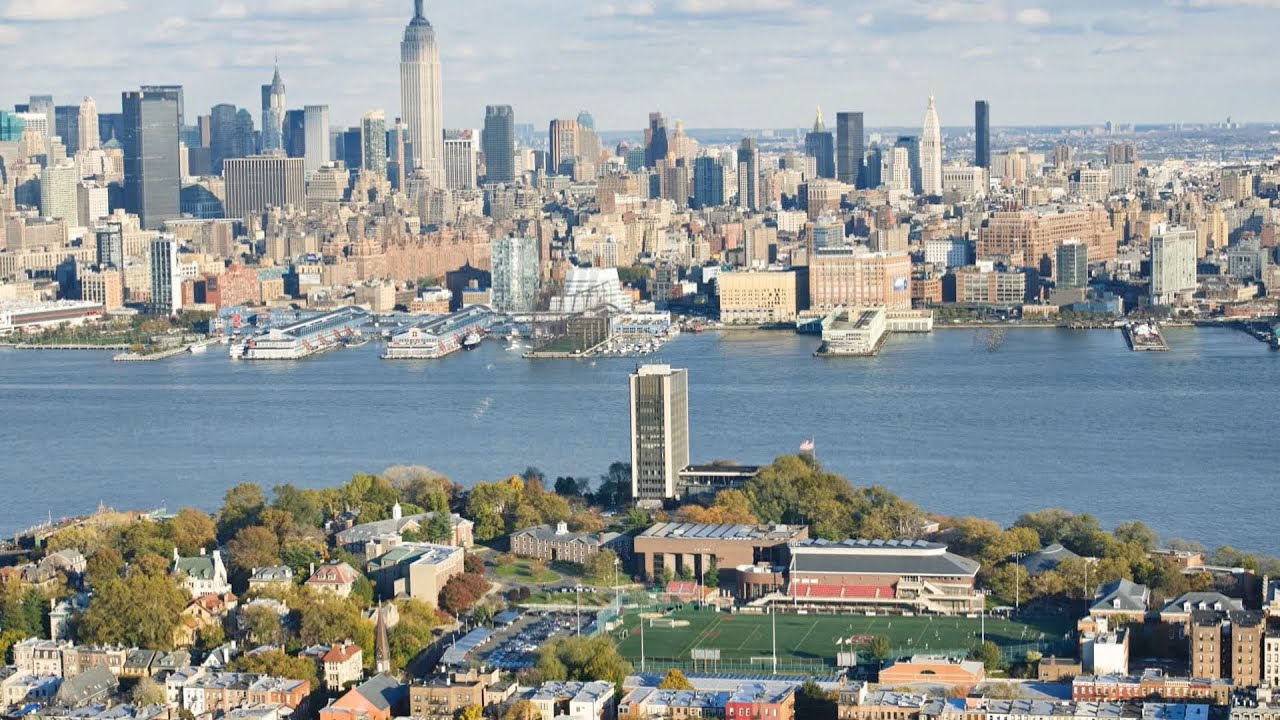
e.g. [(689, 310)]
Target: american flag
[(807, 446)]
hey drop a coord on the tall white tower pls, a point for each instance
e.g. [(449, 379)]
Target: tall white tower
[(420, 105), (88, 139), (931, 152)]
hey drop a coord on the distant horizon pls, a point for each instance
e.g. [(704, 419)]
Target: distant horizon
[(770, 62)]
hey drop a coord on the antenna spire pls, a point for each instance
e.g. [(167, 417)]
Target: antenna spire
[(417, 10)]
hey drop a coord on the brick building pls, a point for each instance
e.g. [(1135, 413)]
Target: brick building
[(557, 544)]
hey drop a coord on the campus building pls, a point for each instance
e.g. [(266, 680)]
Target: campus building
[(416, 570), (690, 549)]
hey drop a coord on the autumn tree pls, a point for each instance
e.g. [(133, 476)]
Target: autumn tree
[(600, 566), (241, 507), (140, 609), (276, 663), (582, 658), (522, 710), (253, 547), (262, 624), (148, 693), (675, 680), (192, 531)]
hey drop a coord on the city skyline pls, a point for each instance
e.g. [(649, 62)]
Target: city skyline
[(627, 59)]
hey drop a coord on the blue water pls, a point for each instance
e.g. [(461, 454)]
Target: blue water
[(1053, 418)]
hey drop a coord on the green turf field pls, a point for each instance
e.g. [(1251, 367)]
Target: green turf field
[(811, 638)]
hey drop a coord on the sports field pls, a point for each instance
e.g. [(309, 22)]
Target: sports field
[(812, 638)]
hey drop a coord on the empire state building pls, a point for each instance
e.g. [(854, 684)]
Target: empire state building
[(420, 96)]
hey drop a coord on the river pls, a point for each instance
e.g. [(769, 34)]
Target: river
[(1052, 418)]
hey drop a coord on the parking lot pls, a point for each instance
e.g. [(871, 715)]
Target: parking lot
[(516, 647)]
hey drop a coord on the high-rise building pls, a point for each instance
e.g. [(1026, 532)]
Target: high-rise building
[(66, 120), (1073, 265), (43, 105), (273, 111), (982, 134), (461, 156), (851, 277), (58, 191), (110, 241), (1173, 264), (222, 135), (749, 174), (931, 153), (499, 144), (166, 280), (245, 139), (151, 163), (316, 130), (295, 133), (256, 183), (911, 144), (516, 274), (708, 182), (88, 126), (563, 145), (656, 145), (420, 103), (850, 149), (373, 143), (819, 144), (897, 172), (659, 431), (93, 202), (11, 127), (172, 92)]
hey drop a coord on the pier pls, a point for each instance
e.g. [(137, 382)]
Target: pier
[(1145, 337), (304, 338), (439, 337)]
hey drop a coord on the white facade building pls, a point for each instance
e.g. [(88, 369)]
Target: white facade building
[(461, 158), (586, 288), (931, 152), (420, 103), (516, 275), (1173, 264)]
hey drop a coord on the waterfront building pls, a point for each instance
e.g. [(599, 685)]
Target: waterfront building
[(1173, 264), (757, 298), (1030, 238), (853, 277), (166, 276), (256, 183), (273, 112), (931, 153), (850, 148), (984, 285), (151, 165), (102, 286), (437, 337), (982, 134), (499, 144), (516, 274), (589, 288), (416, 570), (301, 339), (420, 96), (1072, 267), (820, 145), (315, 150), (659, 431)]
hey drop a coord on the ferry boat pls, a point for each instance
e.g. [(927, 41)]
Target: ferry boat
[(198, 349), (472, 341)]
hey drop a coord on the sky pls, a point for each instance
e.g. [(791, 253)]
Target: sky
[(710, 63)]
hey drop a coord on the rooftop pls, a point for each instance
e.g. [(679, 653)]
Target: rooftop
[(726, 532)]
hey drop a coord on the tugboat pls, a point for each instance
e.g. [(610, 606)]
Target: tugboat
[(472, 341)]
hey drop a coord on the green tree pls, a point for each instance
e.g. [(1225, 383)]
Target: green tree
[(675, 680), (1138, 533), (303, 505), (599, 566), (583, 658), (147, 693), (276, 663), (241, 507), (413, 633), (814, 702), (262, 625), (141, 609), (253, 547), (439, 528), (327, 618), (712, 576), (192, 531), (880, 647), (989, 653)]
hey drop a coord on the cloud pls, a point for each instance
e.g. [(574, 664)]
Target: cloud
[(58, 10), (640, 9), (975, 53), (1136, 45), (231, 11), (1227, 4), (1034, 17), (731, 7)]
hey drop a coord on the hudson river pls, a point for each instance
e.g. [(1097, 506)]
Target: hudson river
[(1184, 440)]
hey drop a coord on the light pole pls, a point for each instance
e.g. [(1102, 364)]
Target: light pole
[(1017, 580), (617, 593), (578, 600)]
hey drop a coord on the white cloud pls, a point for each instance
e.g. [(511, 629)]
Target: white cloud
[(9, 35), (964, 12), (731, 7), (231, 11), (975, 53), (1034, 17), (1230, 4), (640, 9), (56, 10)]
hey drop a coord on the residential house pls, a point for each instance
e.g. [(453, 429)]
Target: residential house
[(574, 700), (34, 656), (1046, 559), (336, 577), (343, 664), (202, 614), (204, 574), (441, 698), (273, 576), (137, 664), (1122, 599), (91, 686), (369, 540), (20, 688), (1179, 610)]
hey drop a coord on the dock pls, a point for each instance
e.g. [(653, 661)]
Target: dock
[(1145, 337), (440, 336), (311, 336)]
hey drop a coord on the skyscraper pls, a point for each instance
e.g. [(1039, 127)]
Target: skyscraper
[(110, 242), (655, 140), (373, 142), (88, 126), (659, 431), (516, 276), (820, 145), (294, 139), (166, 280), (1173, 263), (420, 101), (273, 112), (563, 146), (500, 144), (58, 191), (1073, 265), (151, 163), (66, 120), (222, 135), (850, 149), (173, 92), (708, 182), (460, 158), (43, 105), (749, 174), (982, 134), (931, 153), (911, 144), (254, 184), (316, 150)]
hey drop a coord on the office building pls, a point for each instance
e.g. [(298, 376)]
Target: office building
[(110, 245), (1030, 238), (103, 286), (656, 145), (93, 202), (295, 133), (373, 143), (1173, 264), (749, 175), (316, 143), (416, 570), (273, 111), (516, 275), (461, 158), (982, 134), (256, 183), (151, 163), (757, 298), (820, 145), (898, 173), (1072, 270), (171, 92), (850, 149), (11, 126), (66, 125), (562, 146), (42, 105), (58, 191), (659, 431), (708, 182), (499, 144), (166, 280), (421, 107), (852, 277)]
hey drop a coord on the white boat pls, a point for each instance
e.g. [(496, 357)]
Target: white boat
[(198, 349)]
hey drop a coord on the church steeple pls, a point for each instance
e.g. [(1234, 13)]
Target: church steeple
[(383, 648)]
